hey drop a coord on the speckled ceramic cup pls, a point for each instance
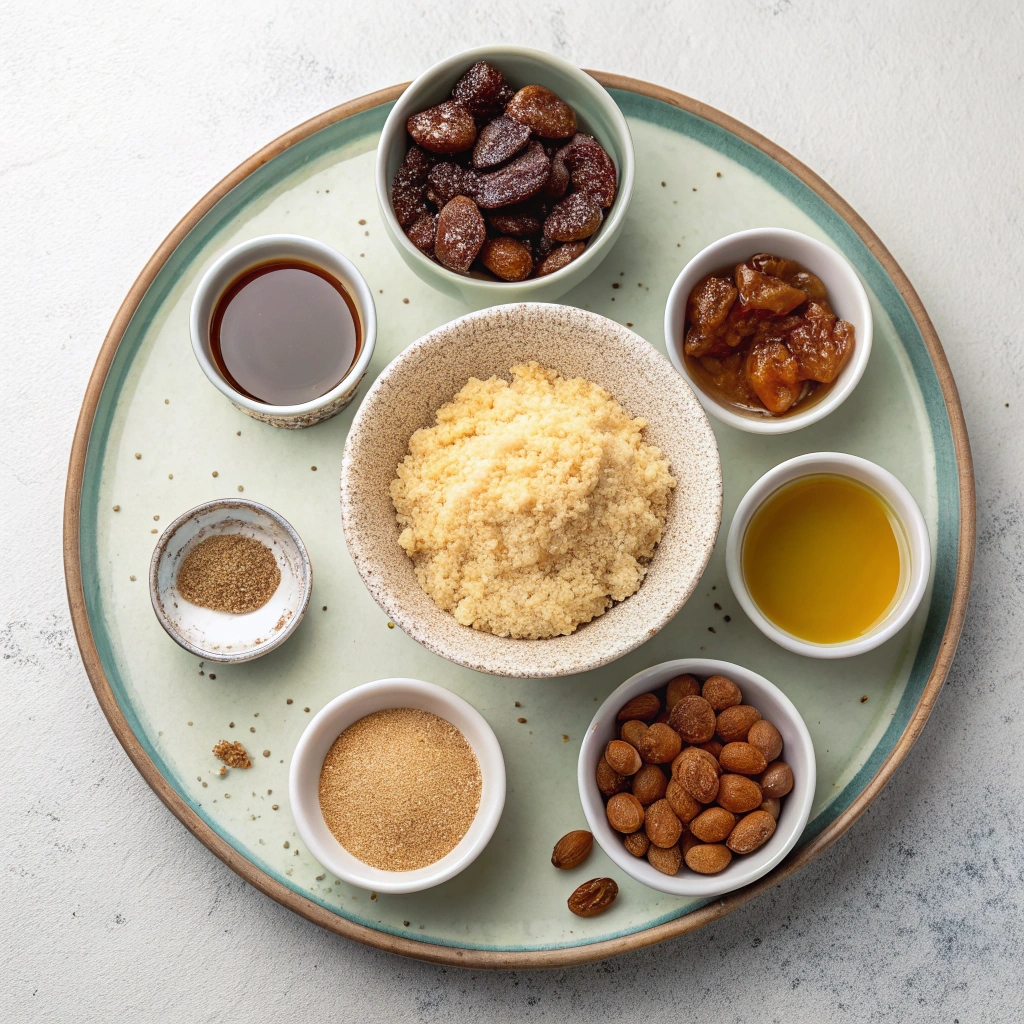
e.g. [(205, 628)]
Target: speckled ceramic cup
[(228, 268), (577, 343)]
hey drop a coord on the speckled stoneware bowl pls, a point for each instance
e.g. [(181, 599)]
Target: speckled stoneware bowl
[(578, 344), (223, 636)]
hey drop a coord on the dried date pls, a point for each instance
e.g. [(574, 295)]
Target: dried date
[(445, 129), (460, 234), (422, 233), (499, 141), (521, 179), (544, 113), (507, 258), (576, 217), (560, 257), (483, 91), (591, 168), (409, 188)]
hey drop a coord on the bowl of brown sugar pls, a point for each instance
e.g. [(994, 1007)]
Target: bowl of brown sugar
[(397, 785), (230, 580)]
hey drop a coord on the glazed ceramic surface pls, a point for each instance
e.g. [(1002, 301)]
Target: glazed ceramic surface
[(577, 343), (696, 181)]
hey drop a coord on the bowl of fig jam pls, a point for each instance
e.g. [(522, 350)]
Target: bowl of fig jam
[(285, 327), (771, 328)]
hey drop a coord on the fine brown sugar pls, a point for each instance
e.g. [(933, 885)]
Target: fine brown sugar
[(229, 573), (400, 788), (234, 755)]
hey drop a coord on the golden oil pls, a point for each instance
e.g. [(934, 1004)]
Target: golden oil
[(825, 558)]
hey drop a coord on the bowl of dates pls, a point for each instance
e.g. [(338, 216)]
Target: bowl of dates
[(770, 327), (504, 174)]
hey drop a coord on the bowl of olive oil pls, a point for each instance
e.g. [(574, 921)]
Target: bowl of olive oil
[(829, 555)]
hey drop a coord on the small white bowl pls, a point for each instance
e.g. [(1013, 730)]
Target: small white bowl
[(903, 507), (235, 262), (597, 114), (845, 294), (797, 752), (331, 721), (223, 636)]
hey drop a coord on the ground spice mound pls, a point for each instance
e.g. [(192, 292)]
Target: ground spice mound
[(400, 788), (234, 755), (529, 507), (229, 573)]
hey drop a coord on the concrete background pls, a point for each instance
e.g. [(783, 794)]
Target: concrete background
[(115, 118)]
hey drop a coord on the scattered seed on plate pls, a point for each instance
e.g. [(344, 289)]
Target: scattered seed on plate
[(138, 455)]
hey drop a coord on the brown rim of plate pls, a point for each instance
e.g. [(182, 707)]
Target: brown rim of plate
[(497, 959)]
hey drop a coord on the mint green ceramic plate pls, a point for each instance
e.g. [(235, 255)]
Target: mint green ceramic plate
[(155, 439)]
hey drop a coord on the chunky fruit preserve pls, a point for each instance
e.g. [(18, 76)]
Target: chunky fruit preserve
[(762, 336)]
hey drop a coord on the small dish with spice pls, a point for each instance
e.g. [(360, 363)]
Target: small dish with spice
[(790, 313), (397, 785), (230, 580)]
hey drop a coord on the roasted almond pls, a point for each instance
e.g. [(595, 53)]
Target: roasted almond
[(572, 849), (649, 784), (681, 686), (734, 723), (609, 781), (693, 718), (713, 747), (751, 832), (743, 759), (681, 802), (625, 813), (637, 843), (662, 826), (645, 707), (713, 825), (777, 779), (721, 693), (667, 861), (688, 752), (766, 738), (739, 794), (623, 757), (593, 897), (633, 732), (660, 744), (773, 806), (699, 779), (708, 859)]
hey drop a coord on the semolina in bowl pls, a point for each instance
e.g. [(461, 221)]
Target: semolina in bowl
[(658, 497)]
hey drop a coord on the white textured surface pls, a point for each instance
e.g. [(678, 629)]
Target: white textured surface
[(114, 118)]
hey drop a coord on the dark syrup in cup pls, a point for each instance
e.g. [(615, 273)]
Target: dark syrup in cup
[(285, 333)]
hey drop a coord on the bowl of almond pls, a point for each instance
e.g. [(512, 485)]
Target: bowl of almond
[(697, 776)]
